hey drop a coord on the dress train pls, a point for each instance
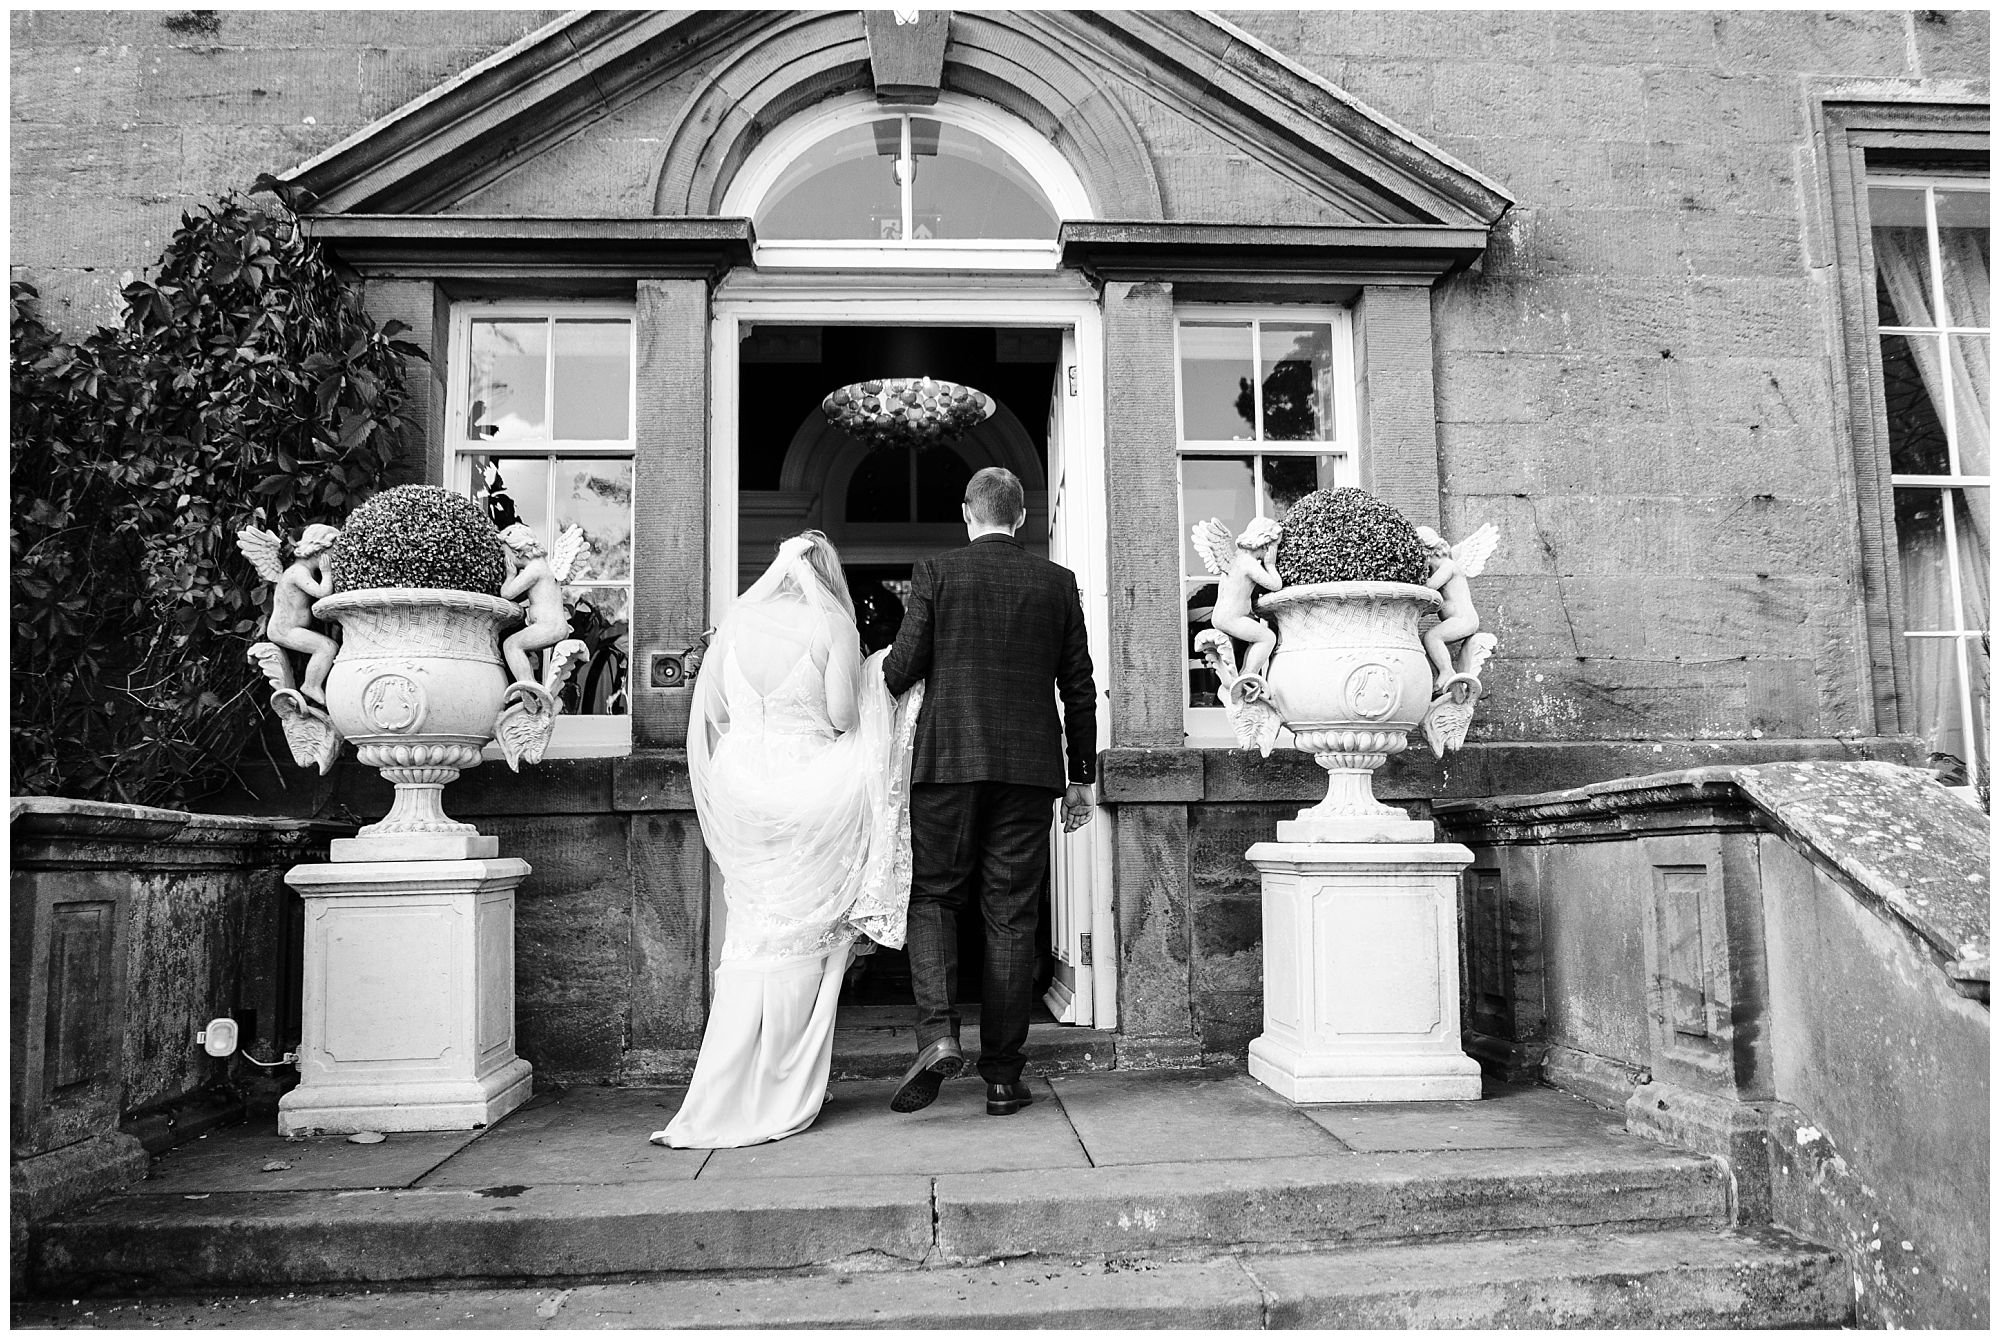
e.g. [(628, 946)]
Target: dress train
[(765, 1055)]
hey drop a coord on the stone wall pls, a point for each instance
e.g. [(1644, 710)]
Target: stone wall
[(122, 120), (131, 928), (1786, 966), (611, 928)]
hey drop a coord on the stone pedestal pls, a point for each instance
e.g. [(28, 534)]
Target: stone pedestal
[(408, 997), (1361, 972)]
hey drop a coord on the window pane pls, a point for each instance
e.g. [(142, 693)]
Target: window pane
[(973, 188), (1290, 478), (1963, 246), (842, 187), (1910, 365), (1972, 521), (513, 488), (1214, 486), (596, 495), (1215, 382), (1902, 256), (1920, 552), (509, 364), (601, 616), (1971, 391), (1297, 363), (593, 380), (1204, 688), (1944, 576), (1954, 745), (880, 488)]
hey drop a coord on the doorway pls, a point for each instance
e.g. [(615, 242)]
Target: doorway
[(778, 467)]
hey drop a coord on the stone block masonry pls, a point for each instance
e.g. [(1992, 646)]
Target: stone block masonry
[(124, 119)]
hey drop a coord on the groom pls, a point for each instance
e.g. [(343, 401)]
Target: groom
[(991, 630)]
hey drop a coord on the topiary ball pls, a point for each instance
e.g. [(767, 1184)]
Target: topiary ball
[(1349, 535), (418, 535)]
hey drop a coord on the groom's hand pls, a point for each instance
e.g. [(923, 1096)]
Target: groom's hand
[(1076, 807)]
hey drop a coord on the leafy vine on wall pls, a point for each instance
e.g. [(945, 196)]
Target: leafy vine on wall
[(246, 384)]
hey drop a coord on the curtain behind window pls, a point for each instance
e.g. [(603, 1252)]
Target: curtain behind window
[(1903, 262)]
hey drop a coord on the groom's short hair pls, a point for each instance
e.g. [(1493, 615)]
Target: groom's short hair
[(996, 497)]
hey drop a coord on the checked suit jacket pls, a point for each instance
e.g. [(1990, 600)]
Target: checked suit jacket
[(996, 633)]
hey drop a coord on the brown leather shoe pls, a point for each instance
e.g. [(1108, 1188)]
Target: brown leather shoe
[(934, 1065), (1004, 1100)]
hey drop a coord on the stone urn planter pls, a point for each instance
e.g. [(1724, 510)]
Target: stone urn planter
[(1360, 901), (416, 687), (408, 993), (1350, 680)]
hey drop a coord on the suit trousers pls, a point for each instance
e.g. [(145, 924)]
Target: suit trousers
[(992, 839)]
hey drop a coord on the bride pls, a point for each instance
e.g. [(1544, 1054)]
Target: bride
[(800, 761)]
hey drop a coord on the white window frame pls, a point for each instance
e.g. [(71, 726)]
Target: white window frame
[(1209, 726), (575, 736), (1051, 172), (1958, 634)]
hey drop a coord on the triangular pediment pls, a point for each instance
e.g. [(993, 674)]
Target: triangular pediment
[(1169, 116)]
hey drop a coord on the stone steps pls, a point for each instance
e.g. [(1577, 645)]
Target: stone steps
[(142, 1242), (1670, 1278), (878, 1041)]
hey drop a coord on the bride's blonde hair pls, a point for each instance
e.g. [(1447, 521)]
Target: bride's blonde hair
[(825, 561)]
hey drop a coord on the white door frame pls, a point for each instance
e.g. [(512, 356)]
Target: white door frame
[(1059, 300)]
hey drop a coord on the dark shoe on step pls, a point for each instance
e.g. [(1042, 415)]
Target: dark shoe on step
[(1003, 1100), (934, 1065)]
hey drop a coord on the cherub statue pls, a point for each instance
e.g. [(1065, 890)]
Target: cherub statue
[(1459, 688), (536, 582), (1242, 567), (1256, 717), (1452, 568), (293, 590), (528, 719)]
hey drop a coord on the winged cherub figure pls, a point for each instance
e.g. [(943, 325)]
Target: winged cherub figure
[(537, 583), (1459, 688), (528, 719), (293, 590), (1452, 568), (1243, 563)]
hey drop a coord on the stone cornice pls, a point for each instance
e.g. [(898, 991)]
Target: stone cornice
[(1890, 834), (470, 130), (476, 246), (1247, 253), (47, 832)]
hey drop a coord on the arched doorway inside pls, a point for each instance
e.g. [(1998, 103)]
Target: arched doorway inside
[(901, 241), (885, 509)]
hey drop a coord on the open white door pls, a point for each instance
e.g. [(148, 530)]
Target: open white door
[(1080, 879)]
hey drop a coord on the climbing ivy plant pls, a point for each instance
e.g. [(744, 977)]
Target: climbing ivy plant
[(246, 384)]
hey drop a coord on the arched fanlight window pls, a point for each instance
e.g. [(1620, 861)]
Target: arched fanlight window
[(853, 177)]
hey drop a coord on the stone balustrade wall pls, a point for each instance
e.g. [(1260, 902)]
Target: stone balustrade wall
[(1784, 965)]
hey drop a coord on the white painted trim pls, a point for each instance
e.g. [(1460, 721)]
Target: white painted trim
[(596, 736), (1210, 726), (1059, 182), (1059, 300)]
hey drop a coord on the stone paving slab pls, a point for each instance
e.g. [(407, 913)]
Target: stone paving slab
[(1518, 1116), (1657, 1280), (1179, 1116), (242, 1239), (235, 1157), (858, 1136), (1138, 1208), (578, 1136), (1688, 1278)]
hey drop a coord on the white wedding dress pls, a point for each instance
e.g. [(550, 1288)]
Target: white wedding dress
[(800, 762)]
